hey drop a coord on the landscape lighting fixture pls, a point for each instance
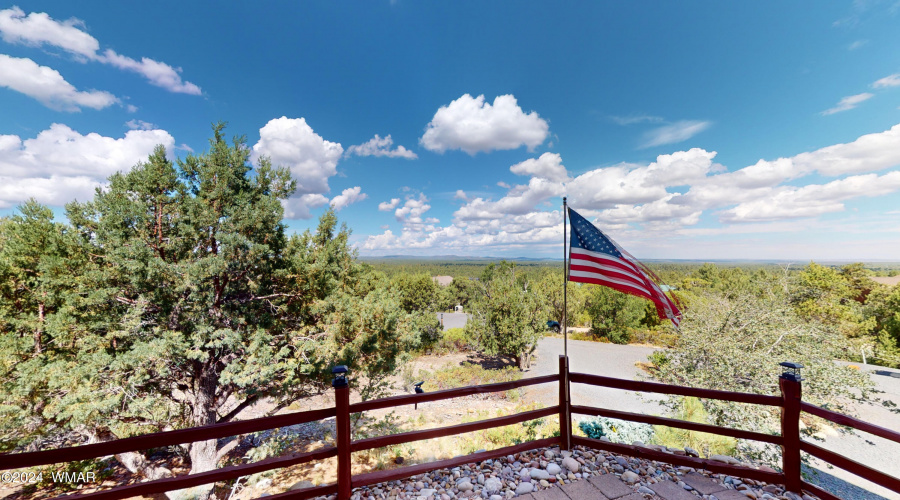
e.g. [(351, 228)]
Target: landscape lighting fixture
[(419, 390), (340, 376), (792, 371)]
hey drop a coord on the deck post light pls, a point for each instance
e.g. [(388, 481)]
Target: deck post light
[(340, 376), (419, 390), (792, 371)]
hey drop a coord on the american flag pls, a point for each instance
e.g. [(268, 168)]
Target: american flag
[(595, 258)]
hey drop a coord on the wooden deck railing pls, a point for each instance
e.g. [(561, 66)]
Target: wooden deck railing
[(790, 403)]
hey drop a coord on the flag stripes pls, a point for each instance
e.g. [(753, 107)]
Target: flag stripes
[(594, 258)]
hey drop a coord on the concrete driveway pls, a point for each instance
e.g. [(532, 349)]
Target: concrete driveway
[(593, 358)]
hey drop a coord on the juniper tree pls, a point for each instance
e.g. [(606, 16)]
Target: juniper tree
[(185, 303), (506, 318), (36, 325)]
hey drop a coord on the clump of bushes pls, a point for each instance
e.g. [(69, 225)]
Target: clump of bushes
[(691, 410), (618, 431), (453, 340)]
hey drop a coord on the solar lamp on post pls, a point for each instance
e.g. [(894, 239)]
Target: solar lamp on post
[(340, 376), (791, 397), (791, 371), (419, 390)]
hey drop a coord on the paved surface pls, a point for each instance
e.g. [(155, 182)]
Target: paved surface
[(605, 487), (873, 451), (453, 320), (594, 358), (610, 487), (618, 361)]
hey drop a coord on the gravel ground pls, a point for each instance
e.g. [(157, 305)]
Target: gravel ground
[(546, 468), (618, 361)]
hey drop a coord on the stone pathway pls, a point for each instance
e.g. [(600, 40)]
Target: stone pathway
[(610, 487)]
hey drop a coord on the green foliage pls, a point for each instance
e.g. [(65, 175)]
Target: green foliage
[(460, 292), (549, 285), (834, 297), (418, 292), (37, 324), (691, 410), (614, 314), (506, 319), (736, 342), (453, 340), (175, 299), (509, 435), (885, 310), (618, 431), (452, 376)]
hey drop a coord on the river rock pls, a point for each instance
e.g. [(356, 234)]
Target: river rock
[(492, 485), (630, 477), (571, 464), (524, 488), (539, 474), (301, 485), (553, 469)]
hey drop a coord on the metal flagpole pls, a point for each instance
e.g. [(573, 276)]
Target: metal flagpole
[(565, 284)]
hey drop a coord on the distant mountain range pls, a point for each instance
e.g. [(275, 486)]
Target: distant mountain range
[(458, 258)]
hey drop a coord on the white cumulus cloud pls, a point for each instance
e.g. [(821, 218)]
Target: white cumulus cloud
[(292, 143), (813, 199), (412, 210), (39, 29), (473, 125), (387, 206), (348, 197), (639, 203), (48, 86), (633, 184), (60, 164), (548, 166), (381, 146), (521, 199)]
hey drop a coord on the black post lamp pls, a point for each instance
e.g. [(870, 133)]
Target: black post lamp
[(792, 371), (419, 390), (340, 376)]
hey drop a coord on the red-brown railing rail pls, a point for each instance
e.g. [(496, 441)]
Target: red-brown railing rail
[(789, 401)]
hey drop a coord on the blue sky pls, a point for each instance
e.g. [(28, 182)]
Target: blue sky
[(683, 130)]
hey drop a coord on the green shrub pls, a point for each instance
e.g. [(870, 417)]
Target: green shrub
[(452, 376), (618, 431), (691, 410)]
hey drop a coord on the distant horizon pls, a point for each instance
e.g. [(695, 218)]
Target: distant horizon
[(551, 259)]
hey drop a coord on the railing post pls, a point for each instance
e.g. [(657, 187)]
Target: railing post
[(342, 429), (565, 413), (789, 383)]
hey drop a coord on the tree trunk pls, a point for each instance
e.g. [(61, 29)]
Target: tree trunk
[(38, 343), (135, 462), (204, 456)]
